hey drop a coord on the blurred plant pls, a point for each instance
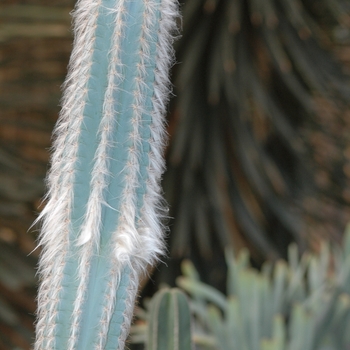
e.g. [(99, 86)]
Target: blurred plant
[(259, 128), (302, 304), (168, 322), (101, 226)]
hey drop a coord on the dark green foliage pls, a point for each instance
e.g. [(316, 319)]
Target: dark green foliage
[(259, 127)]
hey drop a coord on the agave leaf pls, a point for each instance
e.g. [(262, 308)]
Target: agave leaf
[(201, 290), (342, 319), (296, 286), (265, 306), (216, 323), (236, 333), (318, 269), (279, 332), (189, 270), (279, 288), (300, 329), (324, 318)]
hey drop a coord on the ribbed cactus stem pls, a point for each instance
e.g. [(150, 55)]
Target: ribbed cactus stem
[(169, 324), (101, 225)]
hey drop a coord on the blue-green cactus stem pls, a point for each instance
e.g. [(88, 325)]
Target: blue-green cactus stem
[(101, 225)]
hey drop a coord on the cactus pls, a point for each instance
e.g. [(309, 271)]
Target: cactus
[(299, 305), (101, 224), (302, 304), (169, 326)]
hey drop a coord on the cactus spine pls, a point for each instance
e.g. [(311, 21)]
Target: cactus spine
[(101, 223)]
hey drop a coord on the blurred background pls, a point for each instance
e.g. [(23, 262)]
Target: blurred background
[(259, 126)]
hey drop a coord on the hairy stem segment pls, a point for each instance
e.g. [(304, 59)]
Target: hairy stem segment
[(101, 225)]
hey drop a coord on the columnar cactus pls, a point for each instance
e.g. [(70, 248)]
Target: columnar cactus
[(169, 323), (101, 226)]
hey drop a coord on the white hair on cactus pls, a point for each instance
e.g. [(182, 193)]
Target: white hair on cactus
[(55, 216)]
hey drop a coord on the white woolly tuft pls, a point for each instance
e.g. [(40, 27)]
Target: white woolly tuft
[(56, 214)]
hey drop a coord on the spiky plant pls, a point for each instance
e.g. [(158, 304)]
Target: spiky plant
[(299, 304), (259, 128), (101, 224), (169, 326)]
